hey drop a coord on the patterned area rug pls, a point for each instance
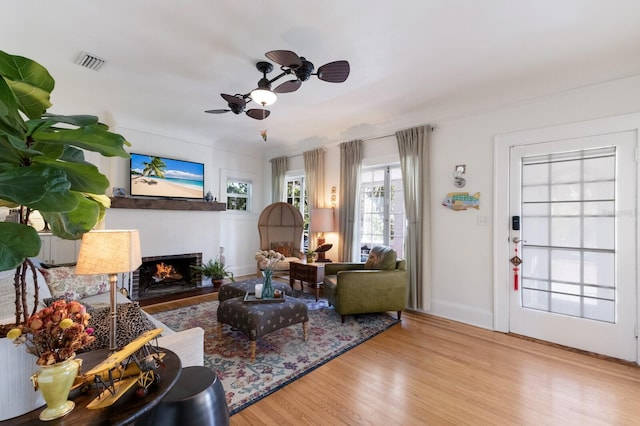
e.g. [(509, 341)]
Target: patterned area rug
[(282, 356)]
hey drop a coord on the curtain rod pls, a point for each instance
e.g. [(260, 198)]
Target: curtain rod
[(373, 138), (387, 136)]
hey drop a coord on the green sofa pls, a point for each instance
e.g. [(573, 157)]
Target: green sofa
[(379, 285)]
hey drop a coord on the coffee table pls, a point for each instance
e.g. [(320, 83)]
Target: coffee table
[(255, 319), (311, 273)]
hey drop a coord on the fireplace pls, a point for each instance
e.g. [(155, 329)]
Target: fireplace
[(162, 275)]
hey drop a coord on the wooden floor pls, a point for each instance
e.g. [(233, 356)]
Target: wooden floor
[(428, 370)]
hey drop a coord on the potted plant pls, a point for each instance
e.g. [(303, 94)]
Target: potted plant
[(42, 167), (215, 270), (310, 255)]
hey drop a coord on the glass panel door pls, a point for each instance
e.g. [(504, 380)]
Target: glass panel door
[(576, 199)]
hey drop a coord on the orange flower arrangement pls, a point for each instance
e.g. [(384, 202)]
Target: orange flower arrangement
[(55, 333)]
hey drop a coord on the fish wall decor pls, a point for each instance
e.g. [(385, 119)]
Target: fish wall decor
[(462, 201)]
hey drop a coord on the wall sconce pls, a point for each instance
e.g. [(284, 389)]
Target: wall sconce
[(333, 197), (458, 180)]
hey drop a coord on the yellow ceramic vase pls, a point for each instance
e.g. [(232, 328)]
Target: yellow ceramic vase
[(54, 382)]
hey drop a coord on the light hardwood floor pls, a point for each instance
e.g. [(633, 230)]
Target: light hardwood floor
[(428, 370)]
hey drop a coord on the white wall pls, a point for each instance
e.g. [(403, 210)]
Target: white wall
[(165, 232), (462, 260)]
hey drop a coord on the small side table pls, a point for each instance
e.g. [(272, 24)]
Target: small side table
[(311, 273), (198, 398)]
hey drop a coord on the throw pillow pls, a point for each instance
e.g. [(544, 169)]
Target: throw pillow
[(381, 257), (284, 248), (63, 282), (131, 322)]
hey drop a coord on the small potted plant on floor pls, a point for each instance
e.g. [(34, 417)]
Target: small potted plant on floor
[(214, 270)]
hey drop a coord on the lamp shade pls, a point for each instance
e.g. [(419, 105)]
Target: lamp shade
[(322, 220), (263, 97), (109, 252)]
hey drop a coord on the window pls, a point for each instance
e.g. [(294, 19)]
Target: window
[(238, 195), (297, 196), (568, 205), (382, 216)]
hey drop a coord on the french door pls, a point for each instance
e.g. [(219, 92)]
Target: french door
[(382, 215), (576, 202)]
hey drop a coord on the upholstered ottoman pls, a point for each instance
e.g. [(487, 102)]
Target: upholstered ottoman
[(241, 288), (255, 319)]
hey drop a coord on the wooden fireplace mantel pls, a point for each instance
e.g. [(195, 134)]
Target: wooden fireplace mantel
[(165, 204)]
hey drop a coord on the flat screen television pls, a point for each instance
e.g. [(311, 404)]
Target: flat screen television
[(155, 176)]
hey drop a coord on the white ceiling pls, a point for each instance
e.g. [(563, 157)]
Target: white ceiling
[(412, 62)]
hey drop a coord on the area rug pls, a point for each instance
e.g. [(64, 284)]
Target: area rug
[(281, 356)]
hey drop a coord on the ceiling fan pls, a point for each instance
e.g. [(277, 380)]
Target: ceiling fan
[(290, 64)]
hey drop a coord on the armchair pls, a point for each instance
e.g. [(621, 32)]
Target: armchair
[(379, 285)]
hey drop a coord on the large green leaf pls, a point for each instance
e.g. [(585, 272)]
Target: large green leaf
[(30, 82), (17, 242), (63, 201), (102, 201), (83, 177), (80, 120), (73, 155), (47, 149), (92, 138), (48, 121), (10, 121), (28, 185), (9, 153), (39, 187), (71, 225)]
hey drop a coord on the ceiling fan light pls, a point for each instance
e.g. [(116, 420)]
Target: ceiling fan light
[(263, 97)]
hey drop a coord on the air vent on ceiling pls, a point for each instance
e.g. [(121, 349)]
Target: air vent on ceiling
[(90, 61)]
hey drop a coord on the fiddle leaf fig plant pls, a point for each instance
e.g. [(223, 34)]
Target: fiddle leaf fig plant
[(43, 168)]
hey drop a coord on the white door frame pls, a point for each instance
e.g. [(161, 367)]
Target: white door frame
[(502, 249)]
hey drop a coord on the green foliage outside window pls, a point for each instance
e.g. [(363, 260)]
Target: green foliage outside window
[(238, 193)]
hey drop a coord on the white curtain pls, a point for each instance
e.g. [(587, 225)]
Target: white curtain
[(350, 161), (314, 182), (278, 172), (413, 145)]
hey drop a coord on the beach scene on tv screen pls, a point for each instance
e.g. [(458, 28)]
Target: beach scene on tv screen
[(164, 177)]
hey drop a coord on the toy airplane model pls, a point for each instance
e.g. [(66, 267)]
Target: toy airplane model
[(135, 363)]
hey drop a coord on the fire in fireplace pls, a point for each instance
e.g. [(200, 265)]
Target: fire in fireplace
[(159, 275), (166, 273)]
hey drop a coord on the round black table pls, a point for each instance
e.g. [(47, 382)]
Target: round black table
[(127, 409)]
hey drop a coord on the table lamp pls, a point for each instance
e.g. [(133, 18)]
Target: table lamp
[(322, 221), (109, 252)]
